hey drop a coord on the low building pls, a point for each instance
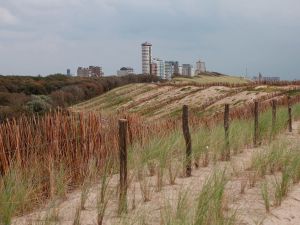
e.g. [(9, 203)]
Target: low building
[(124, 71), (271, 78), (261, 78), (91, 71), (187, 70)]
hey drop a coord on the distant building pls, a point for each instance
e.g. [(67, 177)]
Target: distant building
[(179, 70), (261, 78), (200, 67), (146, 58), (83, 72), (187, 70), (171, 68), (91, 71), (159, 65), (124, 71), (154, 68), (68, 72)]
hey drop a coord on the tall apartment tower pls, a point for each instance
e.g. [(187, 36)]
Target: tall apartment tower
[(146, 58)]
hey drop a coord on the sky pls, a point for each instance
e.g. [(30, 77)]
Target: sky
[(49, 36)]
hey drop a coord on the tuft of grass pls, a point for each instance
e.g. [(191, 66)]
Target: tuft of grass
[(265, 195), (210, 202), (76, 220), (144, 186), (104, 193), (180, 215), (17, 192)]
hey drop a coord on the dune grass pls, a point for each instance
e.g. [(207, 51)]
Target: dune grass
[(21, 190)]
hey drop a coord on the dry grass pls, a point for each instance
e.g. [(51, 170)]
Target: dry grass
[(44, 157)]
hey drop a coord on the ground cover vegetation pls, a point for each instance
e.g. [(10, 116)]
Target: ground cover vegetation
[(27, 94), (42, 158)]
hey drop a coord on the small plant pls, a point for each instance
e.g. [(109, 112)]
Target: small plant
[(173, 171), (281, 188), (87, 184), (243, 185), (77, 216), (252, 177), (52, 214), (144, 186), (104, 194), (265, 195), (180, 215), (210, 202)]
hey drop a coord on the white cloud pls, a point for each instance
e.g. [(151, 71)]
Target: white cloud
[(6, 17)]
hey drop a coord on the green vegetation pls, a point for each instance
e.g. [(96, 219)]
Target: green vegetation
[(25, 94)]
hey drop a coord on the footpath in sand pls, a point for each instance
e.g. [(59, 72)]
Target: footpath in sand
[(248, 206)]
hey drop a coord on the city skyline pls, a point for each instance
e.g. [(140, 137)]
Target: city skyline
[(44, 37)]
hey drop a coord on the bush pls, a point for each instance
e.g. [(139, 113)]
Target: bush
[(39, 104)]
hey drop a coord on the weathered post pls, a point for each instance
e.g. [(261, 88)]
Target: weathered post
[(290, 114), (226, 152), (274, 115), (188, 141), (123, 165), (256, 132)]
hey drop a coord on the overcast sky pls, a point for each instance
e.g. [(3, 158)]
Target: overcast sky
[(49, 36)]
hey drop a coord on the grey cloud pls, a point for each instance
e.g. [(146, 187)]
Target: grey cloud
[(50, 35)]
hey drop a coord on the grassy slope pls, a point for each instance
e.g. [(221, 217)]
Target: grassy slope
[(204, 79), (157, 101)]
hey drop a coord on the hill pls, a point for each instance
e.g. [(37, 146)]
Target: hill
[(166, 100), (211, 77)]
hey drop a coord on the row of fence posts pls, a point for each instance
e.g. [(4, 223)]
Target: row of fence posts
[(123, 126)]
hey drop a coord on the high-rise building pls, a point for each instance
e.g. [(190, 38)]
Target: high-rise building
[(91, 71), (146, 58), (68, 72), (124, 71), (187, 70), (200, 67)]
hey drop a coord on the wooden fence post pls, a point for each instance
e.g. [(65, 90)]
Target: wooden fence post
[(123, 165), (274, 115), (188, 141), (290, 114), (226, 152), (256, 129)]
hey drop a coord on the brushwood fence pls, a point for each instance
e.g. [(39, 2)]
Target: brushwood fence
[(74, 139)]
